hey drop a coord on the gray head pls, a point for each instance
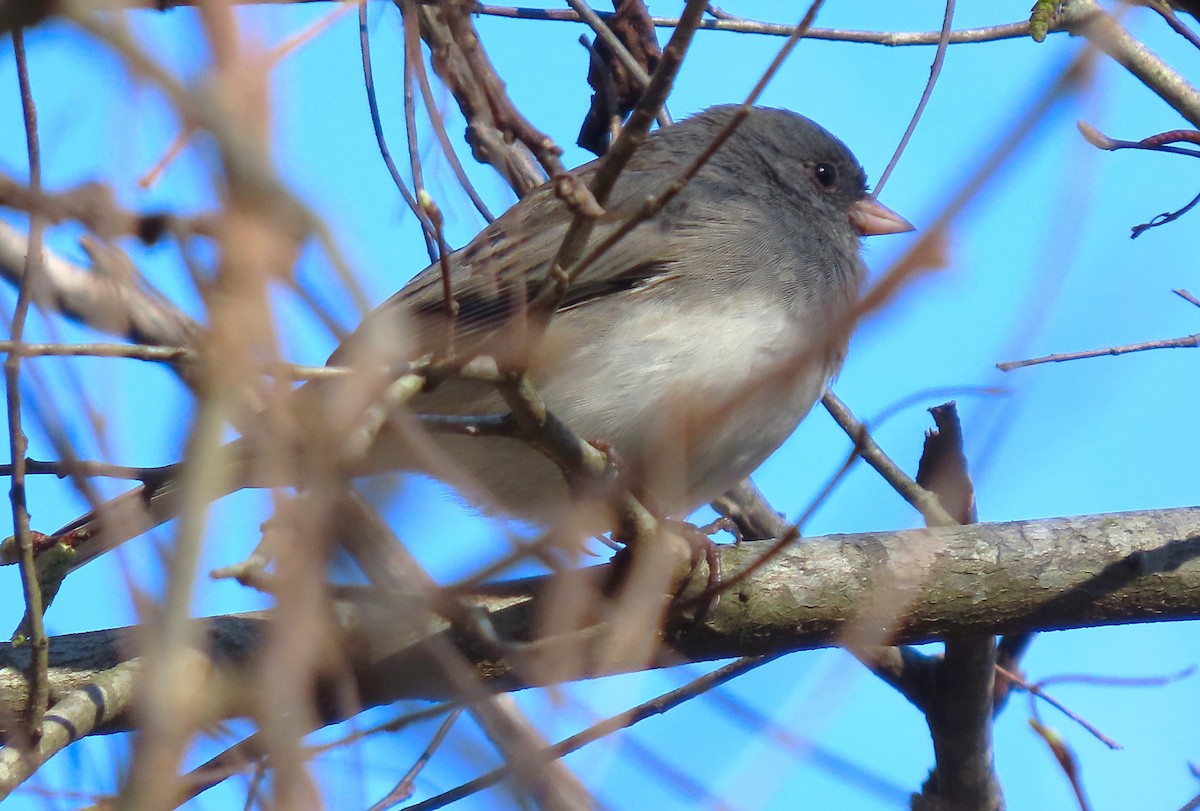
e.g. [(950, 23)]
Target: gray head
[(802, 160)]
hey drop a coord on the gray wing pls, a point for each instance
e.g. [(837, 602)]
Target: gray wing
[(496, 275)]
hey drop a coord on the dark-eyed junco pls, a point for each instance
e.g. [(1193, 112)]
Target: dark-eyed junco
[(692, 347)]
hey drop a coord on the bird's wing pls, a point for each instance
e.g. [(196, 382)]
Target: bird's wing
[(497, 274)]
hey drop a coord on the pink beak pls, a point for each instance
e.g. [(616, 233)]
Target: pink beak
[(871, 218)]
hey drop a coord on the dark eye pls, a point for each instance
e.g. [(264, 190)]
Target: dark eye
[(825, 174)]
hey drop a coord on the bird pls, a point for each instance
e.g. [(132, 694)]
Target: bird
[(691, 348)]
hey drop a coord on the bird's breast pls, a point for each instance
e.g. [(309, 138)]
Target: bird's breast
[(704, 389)]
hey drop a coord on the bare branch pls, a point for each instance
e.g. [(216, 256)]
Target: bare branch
[(35, 600), (924, 501), (1184, 342), (1087, 18), (740, 25), (1116, 568), (934, 71)]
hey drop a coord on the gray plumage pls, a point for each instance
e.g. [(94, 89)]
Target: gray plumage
[(694, 346)]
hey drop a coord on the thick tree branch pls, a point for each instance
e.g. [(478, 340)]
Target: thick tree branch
[(959, 710), (960, 724), (984, 578)]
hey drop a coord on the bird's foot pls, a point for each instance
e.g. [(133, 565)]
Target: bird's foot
[(704, 550)]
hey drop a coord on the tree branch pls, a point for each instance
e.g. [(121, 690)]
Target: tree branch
[(983, 578)]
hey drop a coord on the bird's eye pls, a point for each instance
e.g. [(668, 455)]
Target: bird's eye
[(825, 174)]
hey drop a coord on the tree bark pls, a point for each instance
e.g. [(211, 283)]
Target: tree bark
[(870, 588)]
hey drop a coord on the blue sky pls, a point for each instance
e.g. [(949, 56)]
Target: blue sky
[(1041, 263)]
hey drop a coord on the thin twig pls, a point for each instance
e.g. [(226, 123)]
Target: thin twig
[(653, 205), (1035, 690), (1161, 142), (1186, 296), (39, 693), (741, 25), (566, 263), (410, 200), (149, 352), (1183, 342), (589, 16), (924, 501), (404, 789), (1167, 13), (412, 53), (935, 70), (655, 706), (82, 467), (439, 126)]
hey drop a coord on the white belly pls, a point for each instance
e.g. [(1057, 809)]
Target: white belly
[(691, 408)]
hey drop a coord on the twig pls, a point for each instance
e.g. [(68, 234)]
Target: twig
[(95, 206), (381, 140), (464, 66), (246, 168), (149, 352), (810, 751), (1186, 296), (1035, 690), (916, 258), (742, 25), (490, 142), (404, 789), (1184, 342), (1066, 760), (581, 463), (439, 129), (924, 501), (560, 276), (1119, 681), (1154, 143), (922, 396), (82, 467), (1009, 651), (786, 535), (604, 728), (748, 508), (567, 264), (1167, 13), (434, 215), (39, 693), (272, 58), (99, 301), (240, 757), (428, 211), (1087, 18), (934, 71)]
